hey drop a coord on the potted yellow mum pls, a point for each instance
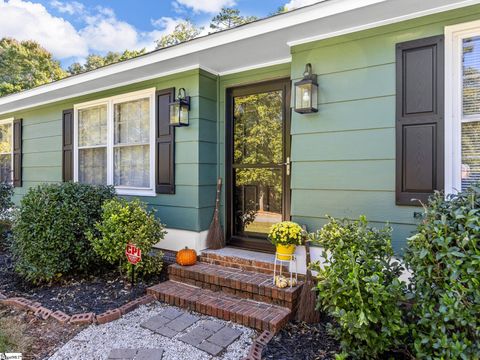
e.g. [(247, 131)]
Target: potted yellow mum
[(285, 235)]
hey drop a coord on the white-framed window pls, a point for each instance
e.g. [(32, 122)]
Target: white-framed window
[(114, 142), (6, 150), (462, 106)]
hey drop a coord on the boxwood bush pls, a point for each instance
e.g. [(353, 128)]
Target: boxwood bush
[(50, 226), (6, 205), (359, 287), (445, 260), (124, 222)]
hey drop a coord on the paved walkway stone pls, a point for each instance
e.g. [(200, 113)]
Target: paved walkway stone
[(149, 354), (196, 336), (182, 322), (122, 354), (225, 336), (210, 348), (210, 336)]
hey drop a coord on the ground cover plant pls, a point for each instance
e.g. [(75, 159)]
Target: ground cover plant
[(124, 222), (359, 287), (444, 257), (49, 230)]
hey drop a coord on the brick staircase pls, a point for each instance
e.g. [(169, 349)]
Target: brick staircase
[(231, 287)]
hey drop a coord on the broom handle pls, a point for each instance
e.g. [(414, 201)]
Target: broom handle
[(219, 190)]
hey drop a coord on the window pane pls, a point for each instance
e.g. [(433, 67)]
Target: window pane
[(471, 76), (6, 168), (5, 138), (132, 120), (470, 153), (258, 128), (258, 200), (92, 166), (92, 126), (132, 166)]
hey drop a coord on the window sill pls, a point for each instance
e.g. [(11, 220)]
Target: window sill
[(135, 192)]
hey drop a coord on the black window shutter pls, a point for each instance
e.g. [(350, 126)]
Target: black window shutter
[(17, 153), (164, 144), (419, 119), (67, 145)]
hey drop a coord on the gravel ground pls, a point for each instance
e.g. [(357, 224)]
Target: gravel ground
[(96, 341)]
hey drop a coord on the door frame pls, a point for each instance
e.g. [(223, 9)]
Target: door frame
[(283, 84)]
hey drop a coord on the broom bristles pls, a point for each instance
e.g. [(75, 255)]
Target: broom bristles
[(215, 237)]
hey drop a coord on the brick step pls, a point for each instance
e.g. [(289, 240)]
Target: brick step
[(241, 259), (257, 315), (242, 283)]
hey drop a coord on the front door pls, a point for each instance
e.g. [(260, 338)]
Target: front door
[(258, 162)]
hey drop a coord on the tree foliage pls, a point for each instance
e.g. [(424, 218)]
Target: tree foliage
[(184, 31), (95, 61), (228, 18), (24, 65)]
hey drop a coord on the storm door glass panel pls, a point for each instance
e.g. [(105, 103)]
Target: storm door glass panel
[(6, 148), (470, 127), (257, 163), (132, 144), (92, 145)]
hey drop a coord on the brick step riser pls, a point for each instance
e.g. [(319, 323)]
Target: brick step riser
[(242, 264), (245, 291), (228, 310)]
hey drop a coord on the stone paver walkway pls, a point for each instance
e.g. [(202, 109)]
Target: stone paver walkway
[(136, 354), (210, 336)]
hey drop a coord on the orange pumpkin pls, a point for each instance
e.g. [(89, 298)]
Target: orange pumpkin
[(186, 257)]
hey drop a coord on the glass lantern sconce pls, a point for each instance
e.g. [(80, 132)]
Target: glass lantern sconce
[(306, 92), (179, 109)]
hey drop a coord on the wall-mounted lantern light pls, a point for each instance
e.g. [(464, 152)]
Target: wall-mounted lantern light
[(179, 109), (306, 91)]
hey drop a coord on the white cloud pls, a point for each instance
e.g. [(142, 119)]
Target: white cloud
[(294, 4), (101, 30), (207, 6), (24, 20), (71, 8)]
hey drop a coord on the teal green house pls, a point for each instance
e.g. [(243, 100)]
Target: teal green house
[(390, 113)]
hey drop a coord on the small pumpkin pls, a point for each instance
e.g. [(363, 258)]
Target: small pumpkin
[(281, 282), (186, 257)]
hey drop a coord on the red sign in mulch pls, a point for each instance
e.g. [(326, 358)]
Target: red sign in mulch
[(134, 254)]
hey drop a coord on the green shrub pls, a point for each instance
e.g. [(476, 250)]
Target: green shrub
[(359, 287), (49, 229), (124, 222), (445, 260)]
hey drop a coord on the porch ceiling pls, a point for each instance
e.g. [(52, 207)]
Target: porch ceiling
[(260, 43)]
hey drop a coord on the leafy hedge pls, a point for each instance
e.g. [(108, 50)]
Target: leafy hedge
[(124, 222), (49, 229), (445, 259), (6, 205), (359, 286)]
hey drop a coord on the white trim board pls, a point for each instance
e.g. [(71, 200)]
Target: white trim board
[(177, 239), (453, 100)]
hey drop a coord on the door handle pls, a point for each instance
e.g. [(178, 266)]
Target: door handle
[(287, 164)]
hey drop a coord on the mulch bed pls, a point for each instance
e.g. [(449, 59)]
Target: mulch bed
[(106, 290), (301, 341)]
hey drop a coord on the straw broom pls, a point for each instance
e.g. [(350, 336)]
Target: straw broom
[(215, 237), (306, 304)]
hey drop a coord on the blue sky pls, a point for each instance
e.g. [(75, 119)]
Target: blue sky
[(72, 29)]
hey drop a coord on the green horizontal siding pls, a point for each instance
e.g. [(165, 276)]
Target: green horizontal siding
[(344, 155), (42, 148)]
